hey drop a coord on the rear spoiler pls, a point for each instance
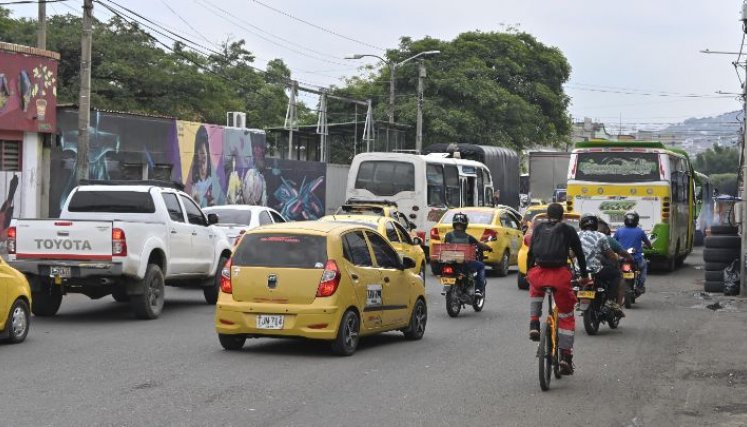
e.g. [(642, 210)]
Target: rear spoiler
[(354, 201)]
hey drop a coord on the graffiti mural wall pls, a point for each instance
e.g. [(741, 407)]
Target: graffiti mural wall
[(28, 90), (216, 164)]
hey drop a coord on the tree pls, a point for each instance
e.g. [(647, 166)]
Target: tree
[(492, 88), (718, 160), (133, 72)]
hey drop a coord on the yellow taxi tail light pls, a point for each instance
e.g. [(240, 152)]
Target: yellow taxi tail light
[(330, 279), (225, 278), (489, 235), (434, 233)]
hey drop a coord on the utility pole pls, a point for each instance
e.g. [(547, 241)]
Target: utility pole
[(419, 129), (392, 70), (41, 35), (84, 104), (743, 203)]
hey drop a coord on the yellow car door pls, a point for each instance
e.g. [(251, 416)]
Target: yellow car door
[(365, 278), (410, 249), (396, 289)]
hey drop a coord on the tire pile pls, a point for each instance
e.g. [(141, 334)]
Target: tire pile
[(721, 249)]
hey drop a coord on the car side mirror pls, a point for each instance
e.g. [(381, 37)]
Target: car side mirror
[(417, 241), (407, 263), (212, 218), (411, 225)]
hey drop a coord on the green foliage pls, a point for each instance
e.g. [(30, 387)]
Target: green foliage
[(131, 72), (726, 183), (718, 160), (494, 88)]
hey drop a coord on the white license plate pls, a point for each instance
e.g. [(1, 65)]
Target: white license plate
[(61, 272), (448, 280), (628, 275), (265, 321)]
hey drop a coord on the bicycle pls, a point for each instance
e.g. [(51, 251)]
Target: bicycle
[(547, 351)]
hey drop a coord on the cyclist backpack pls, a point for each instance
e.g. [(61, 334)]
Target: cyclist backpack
[(550, 245)]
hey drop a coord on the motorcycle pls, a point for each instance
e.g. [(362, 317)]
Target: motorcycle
[(631, 275), (458, 282), (592, 302)]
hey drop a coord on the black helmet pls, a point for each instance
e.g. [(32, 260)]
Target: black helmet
[(589, 222), (460, 218), (631, 219)]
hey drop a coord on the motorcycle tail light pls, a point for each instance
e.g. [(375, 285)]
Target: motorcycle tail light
[(447, 270), (626, 268)]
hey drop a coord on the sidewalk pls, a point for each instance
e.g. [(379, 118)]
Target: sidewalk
[(708, 384)]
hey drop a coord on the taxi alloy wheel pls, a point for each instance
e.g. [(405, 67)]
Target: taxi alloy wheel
[(347, 335), (419, 318), (19, 322), (502, 267)]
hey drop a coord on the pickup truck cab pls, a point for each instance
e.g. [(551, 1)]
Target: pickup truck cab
[(120, 238)]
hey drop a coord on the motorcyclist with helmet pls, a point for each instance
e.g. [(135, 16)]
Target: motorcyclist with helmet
[(631, 236), (597, 250), (460, 222)]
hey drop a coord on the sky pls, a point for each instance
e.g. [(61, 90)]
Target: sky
[(618, 51)]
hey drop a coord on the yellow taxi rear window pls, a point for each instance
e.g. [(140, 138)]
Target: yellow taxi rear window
[(281, 250)]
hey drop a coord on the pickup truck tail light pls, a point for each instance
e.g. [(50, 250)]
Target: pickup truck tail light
[(11, 242), (225, 279), (119, 242), (330, 280)]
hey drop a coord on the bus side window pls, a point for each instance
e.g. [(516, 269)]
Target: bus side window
[(489, 196), (451, 178), (434, 175), (480, 188)]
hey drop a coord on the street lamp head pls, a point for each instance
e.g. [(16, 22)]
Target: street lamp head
[(431, 52), (355, 56)]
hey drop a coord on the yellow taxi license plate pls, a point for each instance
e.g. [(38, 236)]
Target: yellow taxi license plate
[(585, 294), (448, 280), (628, 275), (265, 321)]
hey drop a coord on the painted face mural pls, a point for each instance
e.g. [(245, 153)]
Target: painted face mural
[(217, 165)]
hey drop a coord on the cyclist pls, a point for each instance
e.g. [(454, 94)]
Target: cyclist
[(548, 267), (460, 222), (631, 236), (597, 249)]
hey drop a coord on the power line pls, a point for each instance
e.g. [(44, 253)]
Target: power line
[(186, 22), (318, 27), (211, 7), (10, 3), (661, 94)]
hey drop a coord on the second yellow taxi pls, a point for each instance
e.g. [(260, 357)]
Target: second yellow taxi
[(390, 228), (319, 280), (496, 227)]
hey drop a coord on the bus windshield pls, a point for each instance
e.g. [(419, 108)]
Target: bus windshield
[(617, 167), (385, 178)]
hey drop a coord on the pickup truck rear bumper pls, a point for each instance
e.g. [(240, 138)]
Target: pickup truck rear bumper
[(78, 269)]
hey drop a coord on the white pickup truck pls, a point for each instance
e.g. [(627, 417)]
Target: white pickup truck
[(120, 239)]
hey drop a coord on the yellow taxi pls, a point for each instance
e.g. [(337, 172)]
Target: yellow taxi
[(530, 213), (319, 280), (496, 227), (376, 208), (402, 241), (15, 304), (521, 278)]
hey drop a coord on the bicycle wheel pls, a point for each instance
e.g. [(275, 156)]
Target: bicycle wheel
[(544, 354), (556, 358)]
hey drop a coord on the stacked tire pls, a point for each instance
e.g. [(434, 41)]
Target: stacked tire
[(721, 249)]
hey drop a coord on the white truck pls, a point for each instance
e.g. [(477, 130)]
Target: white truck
[(120, 239)]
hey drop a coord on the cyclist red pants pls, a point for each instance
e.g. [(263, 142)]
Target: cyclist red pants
[(560, 280)]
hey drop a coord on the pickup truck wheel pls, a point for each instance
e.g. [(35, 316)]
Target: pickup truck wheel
[(149, 304), (211, 291), (47, 302)]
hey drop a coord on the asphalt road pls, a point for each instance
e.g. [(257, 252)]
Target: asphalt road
[(93, 364)]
